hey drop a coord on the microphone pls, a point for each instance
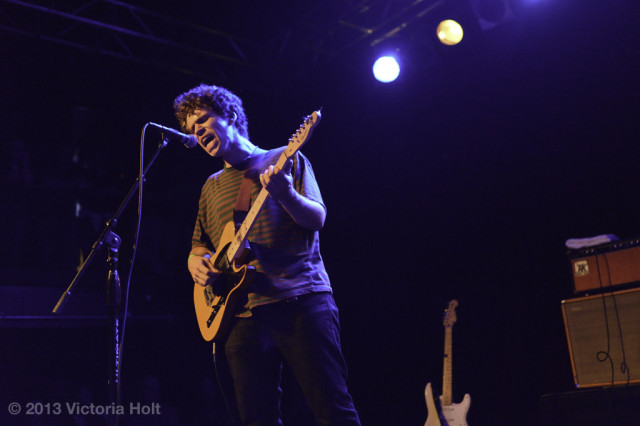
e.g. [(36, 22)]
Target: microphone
[(169, 134)]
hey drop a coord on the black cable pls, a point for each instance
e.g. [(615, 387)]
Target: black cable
[(623, 365), (602, 356), (624, 368), (222, 388), (131, 263)]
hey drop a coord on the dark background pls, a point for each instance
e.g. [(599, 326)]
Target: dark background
[(461, 180)]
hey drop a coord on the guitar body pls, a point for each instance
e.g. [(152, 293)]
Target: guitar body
[(215, 312), (433, 418), (449, 415)]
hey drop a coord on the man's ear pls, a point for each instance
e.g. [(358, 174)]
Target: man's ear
[(232, 118)]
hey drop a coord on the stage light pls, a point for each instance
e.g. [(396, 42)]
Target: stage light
[(386, 69), (449, 32)]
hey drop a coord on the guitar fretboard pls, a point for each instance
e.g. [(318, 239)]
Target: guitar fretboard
[(233, 252), (447, 373)]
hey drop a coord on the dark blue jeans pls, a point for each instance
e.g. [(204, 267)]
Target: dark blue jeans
[(304, 332)]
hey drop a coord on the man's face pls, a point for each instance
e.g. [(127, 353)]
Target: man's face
[(214, 133)]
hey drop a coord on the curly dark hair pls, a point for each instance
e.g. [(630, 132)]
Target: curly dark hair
[(217, 99)]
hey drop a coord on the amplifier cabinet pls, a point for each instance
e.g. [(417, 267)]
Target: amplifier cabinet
[(603, 333), (603, 267)]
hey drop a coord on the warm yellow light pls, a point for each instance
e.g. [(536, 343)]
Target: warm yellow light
[(449, 32)]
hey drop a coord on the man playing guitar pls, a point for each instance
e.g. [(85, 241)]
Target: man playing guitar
[(283, 305)]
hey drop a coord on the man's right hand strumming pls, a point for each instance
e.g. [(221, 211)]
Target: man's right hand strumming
[(201, 268)]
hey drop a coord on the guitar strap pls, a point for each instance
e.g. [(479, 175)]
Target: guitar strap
[(244, 193), (244, 200), (240, 212)]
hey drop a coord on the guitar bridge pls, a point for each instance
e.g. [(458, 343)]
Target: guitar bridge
[(214, 311)]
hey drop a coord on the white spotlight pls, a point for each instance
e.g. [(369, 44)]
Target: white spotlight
[(386, 69)]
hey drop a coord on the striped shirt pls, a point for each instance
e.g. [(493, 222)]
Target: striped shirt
[(286, 256)]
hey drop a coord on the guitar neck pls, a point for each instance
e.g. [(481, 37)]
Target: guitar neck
[(296, 141), (447, 391), (234, 251)]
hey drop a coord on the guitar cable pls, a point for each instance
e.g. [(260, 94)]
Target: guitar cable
[(221, 387), (603, 356), (606, 355)]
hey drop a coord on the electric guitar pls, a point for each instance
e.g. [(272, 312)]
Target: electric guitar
[(214, 312), (450, 414)]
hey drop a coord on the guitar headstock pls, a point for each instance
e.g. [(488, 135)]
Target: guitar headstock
[(450, 314), (302, 135)]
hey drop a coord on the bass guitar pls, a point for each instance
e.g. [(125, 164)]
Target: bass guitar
[(215, 311), (450, 413)]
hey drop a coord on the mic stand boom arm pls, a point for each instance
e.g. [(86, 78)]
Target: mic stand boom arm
[(107, 234)]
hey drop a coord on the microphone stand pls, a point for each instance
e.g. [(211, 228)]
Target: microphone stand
[(113, 308), (113, 293)]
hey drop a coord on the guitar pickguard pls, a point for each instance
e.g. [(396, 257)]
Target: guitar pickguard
[(215, 307), (229, 278)]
